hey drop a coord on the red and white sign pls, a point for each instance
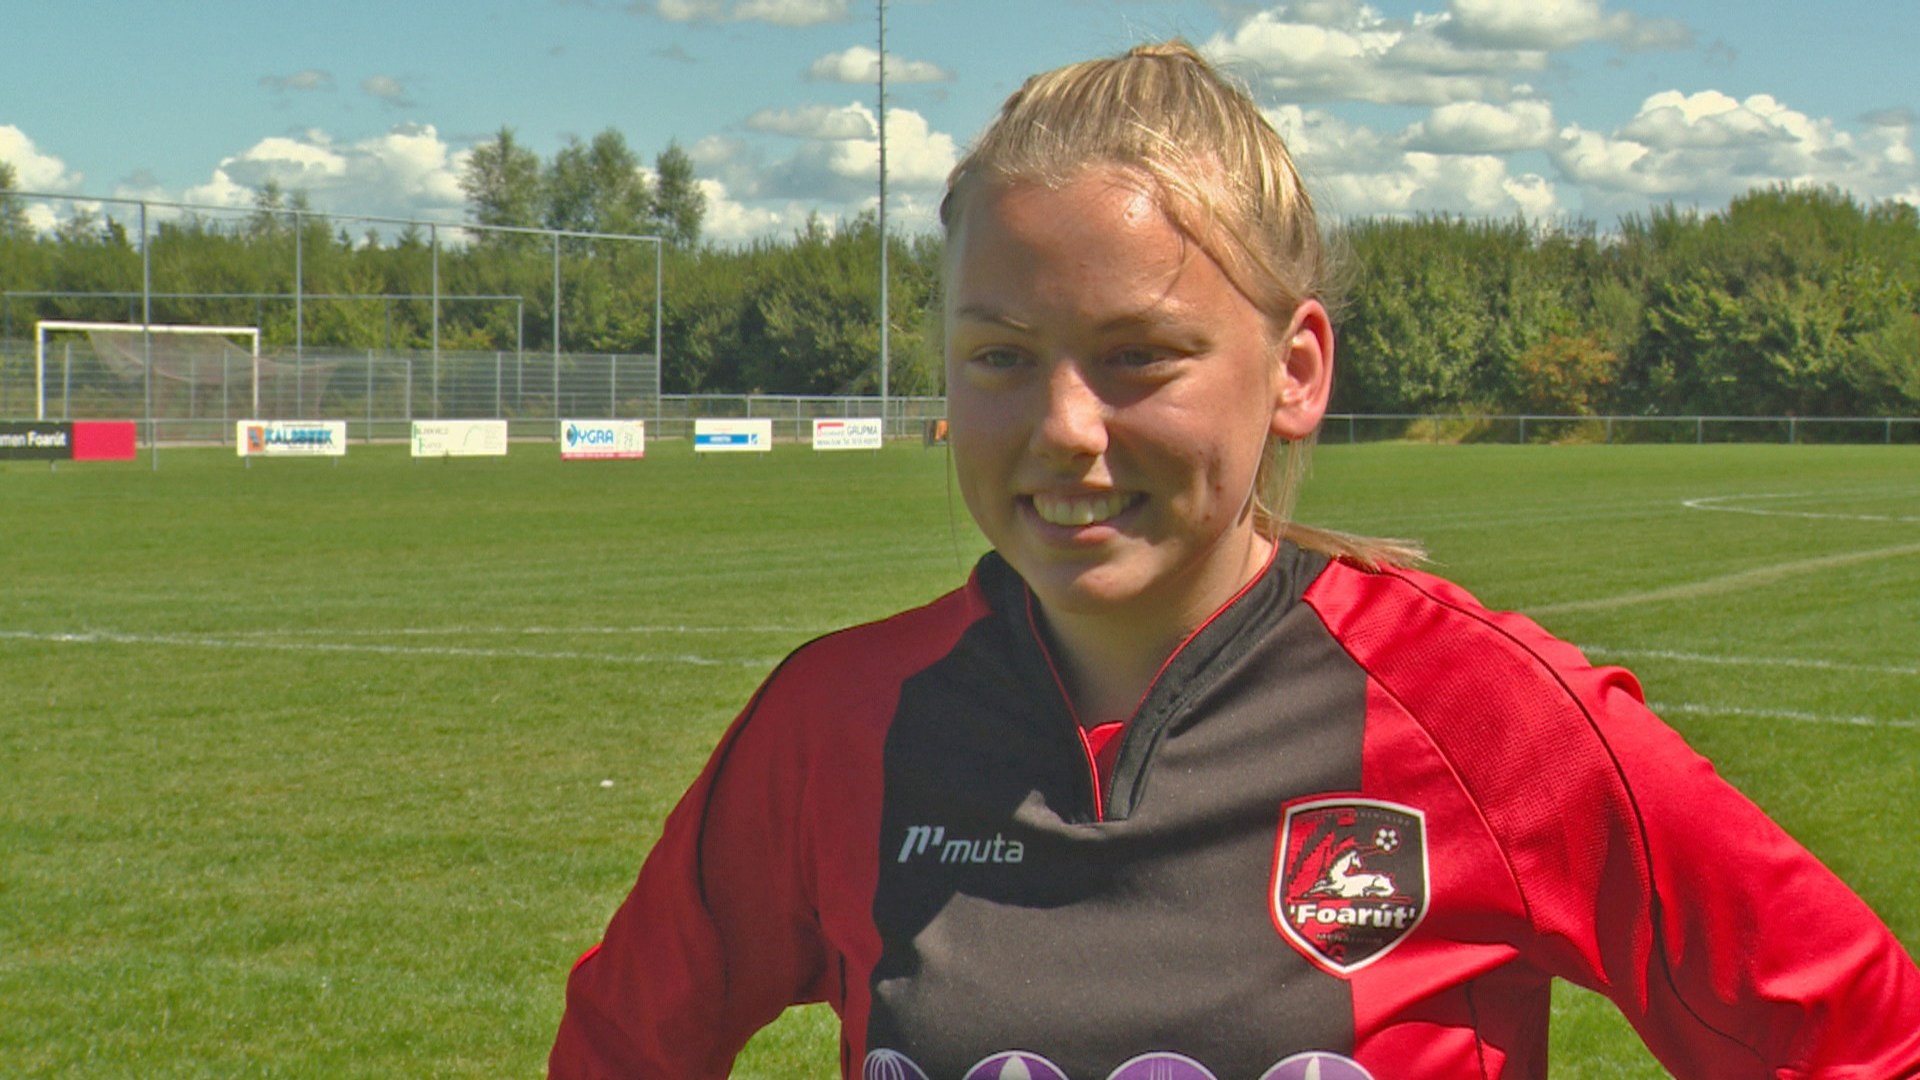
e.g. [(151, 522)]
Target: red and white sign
[(853, 433)]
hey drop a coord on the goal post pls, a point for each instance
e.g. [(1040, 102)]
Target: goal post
[(43, 326)]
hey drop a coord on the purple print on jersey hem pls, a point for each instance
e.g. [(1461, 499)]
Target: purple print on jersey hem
[(1317, 1066), (1016, 1065), (1162, 1067)]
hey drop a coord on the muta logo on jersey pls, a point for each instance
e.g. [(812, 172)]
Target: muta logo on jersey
[(1349, 879)]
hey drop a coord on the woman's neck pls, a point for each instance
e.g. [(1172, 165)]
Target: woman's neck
[(1108, 659)]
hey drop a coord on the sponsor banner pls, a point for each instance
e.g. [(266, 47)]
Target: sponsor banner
[(596, 440), (290, 438), (459, 438), (104, 440), (716, 436), (851, 434), (1349, 879), (40, 440)]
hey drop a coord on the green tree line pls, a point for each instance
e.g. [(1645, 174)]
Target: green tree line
[(1788, 301)]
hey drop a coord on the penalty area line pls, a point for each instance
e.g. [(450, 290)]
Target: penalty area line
[(1743, 580), (108, 637), (1749, 661), (1797, 716)]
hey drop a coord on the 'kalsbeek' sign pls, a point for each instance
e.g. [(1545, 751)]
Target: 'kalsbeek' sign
[(290, 438)]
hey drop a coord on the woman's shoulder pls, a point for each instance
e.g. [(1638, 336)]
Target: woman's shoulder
[(1418, 626), (865, 664), (1479, 682)]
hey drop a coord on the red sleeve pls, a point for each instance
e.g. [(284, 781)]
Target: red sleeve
[(1645, 876), (717, 936), (759, 893), (1760, 962)]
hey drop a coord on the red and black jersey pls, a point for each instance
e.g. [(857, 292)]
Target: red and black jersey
[(1354, 829)]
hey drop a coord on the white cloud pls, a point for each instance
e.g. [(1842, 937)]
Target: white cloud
[(861, 65), (1476, 50), (832, 172), (406, 172), (814, 122), (33, 169), (299, 81), (1469, 127), (1707, 147), (1557, 25), (777, 12), (389, 90), (1341, 50), (729, 221)]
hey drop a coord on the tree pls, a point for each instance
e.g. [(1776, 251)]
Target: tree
[(597, 187), (13, 208), (502, 181), (679, 206)]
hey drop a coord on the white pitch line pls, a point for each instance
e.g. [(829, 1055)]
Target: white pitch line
[(1751, 661), (108, 637), (1712, 503), (529, 631), (1794, 715), (1743, 580)]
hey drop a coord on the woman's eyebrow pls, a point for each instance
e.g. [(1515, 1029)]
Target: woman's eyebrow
[(982, 313)]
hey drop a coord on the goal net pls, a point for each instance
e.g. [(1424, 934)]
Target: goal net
[(195, 370)]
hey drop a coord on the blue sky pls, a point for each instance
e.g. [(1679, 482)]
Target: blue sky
[(1585, 108)]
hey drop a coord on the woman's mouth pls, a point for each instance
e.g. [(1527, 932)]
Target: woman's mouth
[(1089, 508)]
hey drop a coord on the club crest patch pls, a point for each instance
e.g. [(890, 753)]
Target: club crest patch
[(1349, 879)]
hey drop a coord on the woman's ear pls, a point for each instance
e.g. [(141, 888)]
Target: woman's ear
[(1303, 379)]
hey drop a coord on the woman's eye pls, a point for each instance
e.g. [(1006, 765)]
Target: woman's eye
[(998, 359), (1138, 357)]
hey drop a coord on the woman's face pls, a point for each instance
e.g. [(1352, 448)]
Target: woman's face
[(1110, 393)]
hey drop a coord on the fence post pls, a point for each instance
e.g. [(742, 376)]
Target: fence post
[(369, 438)]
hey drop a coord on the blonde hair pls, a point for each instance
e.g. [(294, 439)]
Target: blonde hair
[(1223, 177)]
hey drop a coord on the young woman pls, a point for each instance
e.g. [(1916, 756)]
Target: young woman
[(1173, 788)]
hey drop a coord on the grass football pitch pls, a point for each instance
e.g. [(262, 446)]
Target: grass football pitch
[(331, 770)]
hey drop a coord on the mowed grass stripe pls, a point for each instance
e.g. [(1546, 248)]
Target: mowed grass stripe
[(366, 832)]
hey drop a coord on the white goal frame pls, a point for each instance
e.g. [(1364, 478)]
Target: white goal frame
[(40, 328)]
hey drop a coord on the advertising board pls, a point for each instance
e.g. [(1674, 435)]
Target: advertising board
[(854, 433), (721, 436), (600, 440), (64, 440), (40, 440), (459, 438), (290, 438)]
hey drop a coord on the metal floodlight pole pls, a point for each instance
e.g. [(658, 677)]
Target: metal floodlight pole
[(556, 335), (146, 331), (884, 319), (433, 242), (659, 273), (299, 301)]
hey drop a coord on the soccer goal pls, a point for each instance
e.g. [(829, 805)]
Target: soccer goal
[(131, 348)]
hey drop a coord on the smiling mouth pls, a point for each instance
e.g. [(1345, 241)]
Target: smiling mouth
[(1088, 509)]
